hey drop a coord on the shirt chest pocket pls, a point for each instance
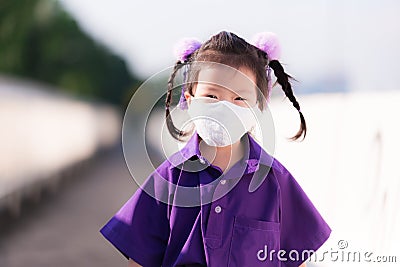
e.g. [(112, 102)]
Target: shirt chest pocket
[(254, 243)]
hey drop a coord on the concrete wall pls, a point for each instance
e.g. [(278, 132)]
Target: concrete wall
[(43, 133)]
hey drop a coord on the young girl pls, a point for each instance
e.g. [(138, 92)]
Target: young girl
[(221, 200)]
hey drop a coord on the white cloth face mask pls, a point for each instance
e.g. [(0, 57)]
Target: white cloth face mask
[(221, 123)]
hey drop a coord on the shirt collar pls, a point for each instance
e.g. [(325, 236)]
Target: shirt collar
[(256, 155)]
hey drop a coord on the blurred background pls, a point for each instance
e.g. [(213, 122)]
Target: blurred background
[(68, 69)]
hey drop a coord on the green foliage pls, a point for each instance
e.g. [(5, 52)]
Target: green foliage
[(40, 41)]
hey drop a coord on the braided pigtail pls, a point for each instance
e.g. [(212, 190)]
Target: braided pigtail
[(283, 80), (175, 132), (268, 42), (183, 50)]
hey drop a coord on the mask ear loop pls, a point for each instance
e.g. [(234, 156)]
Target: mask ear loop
[(269, 82), (182, 101)]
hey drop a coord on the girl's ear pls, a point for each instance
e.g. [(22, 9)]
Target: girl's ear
[(187, 96)]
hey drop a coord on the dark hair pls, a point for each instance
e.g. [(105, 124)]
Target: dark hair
[(229, 49)]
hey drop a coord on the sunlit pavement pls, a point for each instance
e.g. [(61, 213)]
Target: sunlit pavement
[(62, 229)]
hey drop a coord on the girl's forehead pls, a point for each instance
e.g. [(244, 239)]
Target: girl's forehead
[(221, 76)]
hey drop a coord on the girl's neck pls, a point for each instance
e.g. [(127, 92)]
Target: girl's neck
[(223, 157)]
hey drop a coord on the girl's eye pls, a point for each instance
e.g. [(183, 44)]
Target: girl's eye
[(212, 96), (240, 98)]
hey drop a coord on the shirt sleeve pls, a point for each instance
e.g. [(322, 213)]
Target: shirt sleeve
[(303, 230), (140, 229)]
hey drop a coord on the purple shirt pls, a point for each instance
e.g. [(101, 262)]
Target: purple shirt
[(264, 209)]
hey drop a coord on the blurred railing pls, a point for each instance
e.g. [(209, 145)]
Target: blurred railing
[(44, 135)]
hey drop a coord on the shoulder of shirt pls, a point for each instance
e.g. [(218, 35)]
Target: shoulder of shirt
[(165, 170), (279, 167), (283, 176), (164, 166)]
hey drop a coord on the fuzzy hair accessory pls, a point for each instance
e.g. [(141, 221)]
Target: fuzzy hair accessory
[(182, 50), (185, 47), (269, 43)]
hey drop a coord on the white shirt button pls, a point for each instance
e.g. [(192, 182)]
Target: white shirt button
[(223, 181), (218, 209)]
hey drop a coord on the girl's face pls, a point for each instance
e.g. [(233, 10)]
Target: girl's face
[(237, 86)]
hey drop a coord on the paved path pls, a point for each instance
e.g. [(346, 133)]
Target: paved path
[(63, 229)]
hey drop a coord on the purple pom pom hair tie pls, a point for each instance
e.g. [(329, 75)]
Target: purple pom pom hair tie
[(185, 47), (182, 50), (269, 43)]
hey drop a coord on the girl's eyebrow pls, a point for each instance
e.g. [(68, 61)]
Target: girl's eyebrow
[(214, 87)]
